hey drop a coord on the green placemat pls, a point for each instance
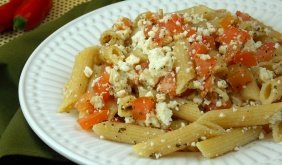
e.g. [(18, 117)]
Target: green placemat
[(16, 137)]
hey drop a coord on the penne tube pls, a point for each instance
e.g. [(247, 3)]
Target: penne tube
[(78, 83), (243, 116), (125, 133), (271, 90), (174, 140), (277, 131), (188, 111), (221, 144), (184, 67)]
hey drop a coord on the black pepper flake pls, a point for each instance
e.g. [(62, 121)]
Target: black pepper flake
[(120, 130)]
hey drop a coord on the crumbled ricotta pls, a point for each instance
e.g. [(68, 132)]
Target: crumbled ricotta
[(164, 113), (265, 75), (131, 60), (97, 101)]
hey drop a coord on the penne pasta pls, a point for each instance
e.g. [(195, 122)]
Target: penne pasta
[(277, 131), (229, 141), (271, 90), (188, 111), (78, 83), (125, 133), (174, 140), (183, 63), (243, 116)]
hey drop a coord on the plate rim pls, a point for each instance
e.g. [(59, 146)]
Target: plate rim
[(39, 132)]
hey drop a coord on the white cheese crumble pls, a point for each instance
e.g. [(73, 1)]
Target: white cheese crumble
[(123, 66), (152, 120), (164, 113), (97, 101), (131, 60), (204, 56), (128, 119), (265, 75), (222, 84), (87, 71)]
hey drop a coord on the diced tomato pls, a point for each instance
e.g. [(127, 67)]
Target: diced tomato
[(197, 48), (190, 31), (213, 97), (227, 21), (233, 34), (84, 103), (204, 66), (266, 128), (175, 24), (141, 106), (167, 84), (102, 86), (265, 51), (158, 38), (209, 41), (238, 76), (246, 58), (231, 51), (88, 121), (243, 16)]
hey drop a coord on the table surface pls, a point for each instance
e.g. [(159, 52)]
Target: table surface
[(59, 8)]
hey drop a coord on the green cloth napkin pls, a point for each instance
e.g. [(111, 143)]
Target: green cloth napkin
[(16, 137)]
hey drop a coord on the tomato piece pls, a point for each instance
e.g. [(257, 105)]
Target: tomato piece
[(231, 52), (190, 32), (197, 48), (233, 34), (141, 106), (227, 21), (245, 58), (88, 121), (167, 84), (204, 66), (174, 24), (265, 51), (238, 76), (84, 103), (213, 97), (243, 16), (102, 86), (209, 41)]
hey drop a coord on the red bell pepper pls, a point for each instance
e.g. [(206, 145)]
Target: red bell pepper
[(31, 13), (7, 13)]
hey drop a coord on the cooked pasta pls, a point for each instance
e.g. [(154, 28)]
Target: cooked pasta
[(195, 80)]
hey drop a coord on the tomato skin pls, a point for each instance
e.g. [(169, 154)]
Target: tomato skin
[(88, 121), (238, 76), (245, 58), (102, 86), (233, 34), (141, 106), (265, 51), (167, 84), (243, 16)]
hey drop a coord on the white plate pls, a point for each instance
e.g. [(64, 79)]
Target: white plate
[(49, 67)]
